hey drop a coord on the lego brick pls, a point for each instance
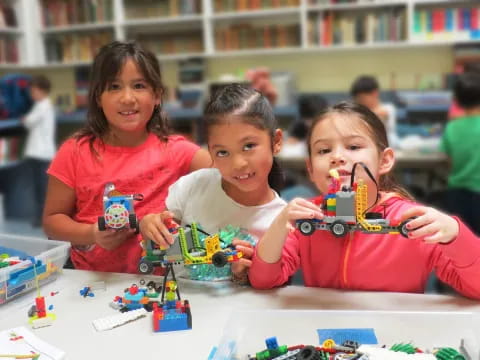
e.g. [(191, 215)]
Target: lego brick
[(113, 321)]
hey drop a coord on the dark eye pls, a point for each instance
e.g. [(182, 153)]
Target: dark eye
[(323, 151), (113, 86), (221, 153), (249, 146), (354, 147), (139, 86)]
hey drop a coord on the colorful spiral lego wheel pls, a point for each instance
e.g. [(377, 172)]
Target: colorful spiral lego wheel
[(116, 216)]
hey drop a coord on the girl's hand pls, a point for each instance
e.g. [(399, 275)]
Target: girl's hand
[(431, 225), (111, 239), (240, 267), (298, 209), (153, 227)]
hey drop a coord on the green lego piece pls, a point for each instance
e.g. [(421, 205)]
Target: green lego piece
[(448, 354), (405, 348)]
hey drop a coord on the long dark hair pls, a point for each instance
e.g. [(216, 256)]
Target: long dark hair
[(378, 134), (106, 66), (252, 108)]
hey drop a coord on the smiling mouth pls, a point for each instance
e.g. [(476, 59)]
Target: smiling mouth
[(244, 176), (127, 113)]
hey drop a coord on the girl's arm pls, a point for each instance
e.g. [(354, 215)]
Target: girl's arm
[(59, 224), (201, 160), (270, 246)]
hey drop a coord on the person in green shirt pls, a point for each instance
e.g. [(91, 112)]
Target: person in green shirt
[(461, 142)]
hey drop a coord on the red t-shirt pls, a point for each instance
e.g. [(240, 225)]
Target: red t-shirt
[(148, 169)]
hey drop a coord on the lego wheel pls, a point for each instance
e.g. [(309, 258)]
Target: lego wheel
[(309, 353), (133, 221), (306, 227), (219, 259), (101, 223), (339, 228), (402, 228), (145, 267)]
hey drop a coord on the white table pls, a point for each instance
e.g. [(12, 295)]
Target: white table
[(211, 304)]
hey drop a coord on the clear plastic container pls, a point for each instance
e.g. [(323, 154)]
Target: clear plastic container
[(49, 255), (246, 331)]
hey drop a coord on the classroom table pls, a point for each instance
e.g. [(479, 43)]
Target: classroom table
[(211, 303)]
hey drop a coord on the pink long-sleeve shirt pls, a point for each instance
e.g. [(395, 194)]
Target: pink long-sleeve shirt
[(375, 262)]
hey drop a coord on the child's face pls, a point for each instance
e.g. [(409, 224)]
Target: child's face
[(371, 100), (128, 101), (243, 155), (37, 93), (338, 142)]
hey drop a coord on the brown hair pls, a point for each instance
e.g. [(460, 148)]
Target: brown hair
[(253, 108), (41, 82), (108, 63), (378, 134)]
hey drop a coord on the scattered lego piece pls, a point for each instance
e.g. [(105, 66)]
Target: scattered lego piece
[(339, 336), (53, 293), (87, 291), (116, 320), (377, 353)]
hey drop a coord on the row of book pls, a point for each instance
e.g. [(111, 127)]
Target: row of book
[(8, 51), (247, 36), (8, 17), (179, 43), (335, 28), (9, 149), (75, 47), (245, 5), (334, 2), (71, 12), (138, 9), (447, 23)]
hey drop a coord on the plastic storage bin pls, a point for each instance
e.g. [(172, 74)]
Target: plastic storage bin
[(246, 331), (49, 255)]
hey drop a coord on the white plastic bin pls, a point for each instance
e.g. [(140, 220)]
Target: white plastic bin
[(50, 256), (246, 331)]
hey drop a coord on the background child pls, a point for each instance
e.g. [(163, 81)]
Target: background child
[(125, 142), (460, 143), (241, 189), (40, 145), (365, 91), (339, 138)]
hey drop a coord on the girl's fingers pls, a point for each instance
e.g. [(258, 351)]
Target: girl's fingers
[(297, 214), (419, 222), (435, 238), (414, 211), (247, 251), (423, 231)]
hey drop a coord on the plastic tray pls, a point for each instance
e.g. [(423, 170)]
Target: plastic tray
[(48, 255)]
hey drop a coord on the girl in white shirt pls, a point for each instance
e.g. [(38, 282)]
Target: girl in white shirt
[(240, 189)]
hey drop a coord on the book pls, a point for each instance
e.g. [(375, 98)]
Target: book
[(21, 341)]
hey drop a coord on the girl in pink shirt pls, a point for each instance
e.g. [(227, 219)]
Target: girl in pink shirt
[(126, 142), (340, 137)]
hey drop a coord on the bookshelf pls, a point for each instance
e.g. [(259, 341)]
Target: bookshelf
[(68, 32)]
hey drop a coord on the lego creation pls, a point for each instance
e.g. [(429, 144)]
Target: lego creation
[(187, 253), (345, 209), (118, 210)]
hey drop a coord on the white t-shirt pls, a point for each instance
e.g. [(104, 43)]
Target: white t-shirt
[(40, 122), (199, 197)]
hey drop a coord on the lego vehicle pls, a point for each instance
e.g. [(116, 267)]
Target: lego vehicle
[(118, 210), (346, 210), (181, 252)]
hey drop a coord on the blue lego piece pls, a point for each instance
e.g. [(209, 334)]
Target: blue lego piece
[(13, 252), (174, 321), (360, 335), (271, 343), (18, 277)]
